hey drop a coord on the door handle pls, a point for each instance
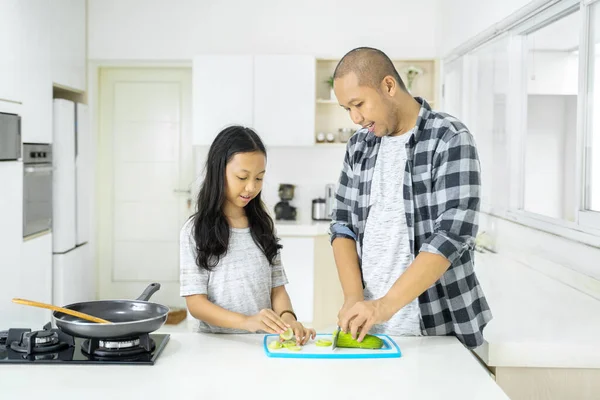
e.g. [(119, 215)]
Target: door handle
[(182, 191)]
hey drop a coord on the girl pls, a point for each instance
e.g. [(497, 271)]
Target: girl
[(231, 273)]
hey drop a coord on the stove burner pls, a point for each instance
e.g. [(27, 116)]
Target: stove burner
[(3, 337), (122, 349), (44, 341)]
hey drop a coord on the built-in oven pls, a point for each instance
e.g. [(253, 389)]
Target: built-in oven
[(37, 188), (10, 137)]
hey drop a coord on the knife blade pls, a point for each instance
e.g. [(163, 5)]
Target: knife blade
[(335, 338)]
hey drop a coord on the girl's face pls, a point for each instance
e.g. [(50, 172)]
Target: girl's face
[(244, 178)]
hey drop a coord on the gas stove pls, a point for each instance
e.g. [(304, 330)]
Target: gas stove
[(52, 346)]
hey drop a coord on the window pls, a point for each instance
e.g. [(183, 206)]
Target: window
[(551, 76), (530, 95), (487, 120)]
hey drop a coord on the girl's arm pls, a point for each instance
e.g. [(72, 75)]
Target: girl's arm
[(281, 301), (203, 309)]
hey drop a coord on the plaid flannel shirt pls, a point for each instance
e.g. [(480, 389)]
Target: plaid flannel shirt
[(442, 200)]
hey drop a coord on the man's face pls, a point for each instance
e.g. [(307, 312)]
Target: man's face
[(369, 107)]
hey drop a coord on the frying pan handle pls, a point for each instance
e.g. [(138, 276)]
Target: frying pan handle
[(150, 290)]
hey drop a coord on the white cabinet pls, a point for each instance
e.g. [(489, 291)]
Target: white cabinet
[(273, 94), (284, 99), (36, 278), (72, 277), (297, 257), (68, 44), (83, 173), (64, 204), (10, 43), (36, 72), (222, 94), (11, 232)]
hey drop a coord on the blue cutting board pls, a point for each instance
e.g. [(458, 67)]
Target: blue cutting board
[(310, 350)]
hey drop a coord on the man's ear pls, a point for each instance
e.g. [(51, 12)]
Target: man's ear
[(389, 86)]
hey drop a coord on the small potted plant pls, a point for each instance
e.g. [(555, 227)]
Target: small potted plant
[(331, 92), (411, 73)]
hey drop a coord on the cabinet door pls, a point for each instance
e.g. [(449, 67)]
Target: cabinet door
[(10, 61), (11, 236), (297, 257), (36, 277), (68, 58), (73, 279), (284, 99), (36, 71), (222, 94)]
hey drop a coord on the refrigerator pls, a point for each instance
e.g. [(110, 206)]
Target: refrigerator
[(71, 265)]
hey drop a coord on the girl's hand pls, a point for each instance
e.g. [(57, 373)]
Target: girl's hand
[(301, 333), (266, 320)]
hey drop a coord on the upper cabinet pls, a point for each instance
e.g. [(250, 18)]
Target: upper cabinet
[(34, 33), (284, 105), (222, 94), (272, 94), (68, 44), (10, 61)]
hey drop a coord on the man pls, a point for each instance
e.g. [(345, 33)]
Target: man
[(405, 217)]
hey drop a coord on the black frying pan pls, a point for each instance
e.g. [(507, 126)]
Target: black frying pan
[(130, 318)]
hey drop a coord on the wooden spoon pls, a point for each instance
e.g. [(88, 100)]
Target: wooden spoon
[(62, 310)]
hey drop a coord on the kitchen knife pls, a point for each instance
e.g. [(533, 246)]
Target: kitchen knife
[(335, 338)]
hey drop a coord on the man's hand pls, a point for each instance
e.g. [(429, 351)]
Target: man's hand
[(363, 315), (348, 303)]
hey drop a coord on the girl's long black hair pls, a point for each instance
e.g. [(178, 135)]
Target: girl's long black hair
[(210, 227)]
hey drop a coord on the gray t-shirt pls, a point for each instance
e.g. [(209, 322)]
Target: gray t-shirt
[(386, 248), (241, 282)]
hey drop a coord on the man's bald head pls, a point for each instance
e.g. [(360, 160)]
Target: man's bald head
[(370, 67)]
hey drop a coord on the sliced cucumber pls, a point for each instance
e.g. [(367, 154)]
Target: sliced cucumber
[(275, 345), (287, 335), (294, 348), (323, 342), (288, 343)]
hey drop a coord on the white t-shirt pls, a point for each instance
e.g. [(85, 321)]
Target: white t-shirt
[(386, 248), (241, 282)]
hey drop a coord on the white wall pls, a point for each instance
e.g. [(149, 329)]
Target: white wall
[(310, 169), (457, 24), (178, 29)]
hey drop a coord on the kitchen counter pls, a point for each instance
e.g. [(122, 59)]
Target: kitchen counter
[(208, 366), (538, 321)]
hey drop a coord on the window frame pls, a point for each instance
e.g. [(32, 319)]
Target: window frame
[(586, 227)]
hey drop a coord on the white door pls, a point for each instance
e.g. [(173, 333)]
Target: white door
[(144, 170)]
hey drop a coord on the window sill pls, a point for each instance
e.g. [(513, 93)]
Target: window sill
[(580, 233)]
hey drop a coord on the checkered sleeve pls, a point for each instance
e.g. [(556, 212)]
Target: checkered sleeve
[(456, 195), (341, 218)]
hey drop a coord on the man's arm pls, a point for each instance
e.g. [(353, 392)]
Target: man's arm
[(346, 261), (343, 239), (456, 185)]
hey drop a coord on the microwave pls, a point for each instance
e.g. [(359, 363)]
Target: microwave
[(10, 137)]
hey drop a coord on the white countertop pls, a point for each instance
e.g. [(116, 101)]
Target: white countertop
[(538, 321), (301, 228), (205, 366)]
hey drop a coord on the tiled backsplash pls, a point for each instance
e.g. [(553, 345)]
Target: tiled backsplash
[(309, 168)]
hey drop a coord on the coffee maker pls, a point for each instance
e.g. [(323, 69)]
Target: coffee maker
[(283, 210)]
